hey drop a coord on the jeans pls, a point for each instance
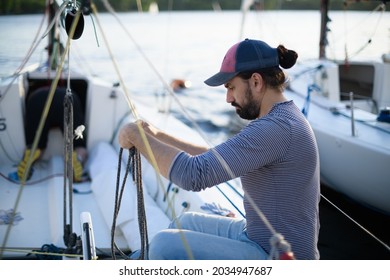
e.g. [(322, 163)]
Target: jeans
[(204, 237)]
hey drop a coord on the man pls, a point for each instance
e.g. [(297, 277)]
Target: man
[(275, 156)]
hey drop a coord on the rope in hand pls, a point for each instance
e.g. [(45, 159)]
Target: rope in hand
[(134, 165)]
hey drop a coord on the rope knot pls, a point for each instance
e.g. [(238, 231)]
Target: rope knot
[(280, 248)]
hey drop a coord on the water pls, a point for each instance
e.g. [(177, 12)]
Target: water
[(191, 45), (156, 48)]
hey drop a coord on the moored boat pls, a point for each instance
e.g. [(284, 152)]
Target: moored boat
[(347, 104)]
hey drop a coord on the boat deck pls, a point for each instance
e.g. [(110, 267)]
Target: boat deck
[(41, 209)]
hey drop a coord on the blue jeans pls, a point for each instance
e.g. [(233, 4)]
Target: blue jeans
[(204, 237)]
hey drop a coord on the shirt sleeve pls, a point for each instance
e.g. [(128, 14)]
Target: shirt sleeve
[(261, 143)]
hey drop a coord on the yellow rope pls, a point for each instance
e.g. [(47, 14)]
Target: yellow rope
[(130, 103), (40, 128), (135, 114), (167, 87)]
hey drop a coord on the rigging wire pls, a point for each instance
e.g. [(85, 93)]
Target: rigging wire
[(167, 87), (40, 126), (356, 28), (197, 128), (259, 212), (165, 84), (381, 7), (21, 67), (127, 98), (68, 53), (30, 183), (33, 47), (154, 69), (133, 109), (338, 111), (355, 222)]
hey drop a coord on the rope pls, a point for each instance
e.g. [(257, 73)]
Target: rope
[(31, 182), (33, 47), (127, 96), (15, 75), (280, 248), (46, 252), (230, 201), (221, 160), (68, 168), (381, 8), (70, 238), (154, 69), (40, 128), (118, 200), (142, 221), (387, 247), (133, 164)]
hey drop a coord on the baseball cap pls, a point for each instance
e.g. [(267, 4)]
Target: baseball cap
[(244, 56)]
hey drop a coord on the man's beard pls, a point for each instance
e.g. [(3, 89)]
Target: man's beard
[(250, 110)]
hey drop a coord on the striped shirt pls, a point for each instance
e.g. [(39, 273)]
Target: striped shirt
[(276, 157)]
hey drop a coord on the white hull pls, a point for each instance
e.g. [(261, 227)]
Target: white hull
[(355, 165)]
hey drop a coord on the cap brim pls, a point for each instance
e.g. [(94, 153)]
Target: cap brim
[(219, 79)]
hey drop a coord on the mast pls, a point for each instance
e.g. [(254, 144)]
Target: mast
[(324, 29), (52, 37), (245, 6)]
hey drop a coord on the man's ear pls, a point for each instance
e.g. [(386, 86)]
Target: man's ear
[(257, 80)]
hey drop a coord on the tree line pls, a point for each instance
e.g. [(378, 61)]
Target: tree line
[(16, 7)]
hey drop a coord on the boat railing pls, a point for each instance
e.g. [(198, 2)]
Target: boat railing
[(363, 102), (352, 115)]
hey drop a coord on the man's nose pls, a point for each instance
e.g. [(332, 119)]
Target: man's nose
[(229, 97)]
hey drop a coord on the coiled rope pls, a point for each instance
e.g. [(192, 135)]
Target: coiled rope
[(133, 165)]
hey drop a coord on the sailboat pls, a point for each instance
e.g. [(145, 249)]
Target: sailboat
[(347, 104), (50, 216)]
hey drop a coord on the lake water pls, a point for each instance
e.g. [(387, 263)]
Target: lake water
[(191, 45), (156, 48)]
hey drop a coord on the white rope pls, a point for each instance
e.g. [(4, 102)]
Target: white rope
[(279, 245)]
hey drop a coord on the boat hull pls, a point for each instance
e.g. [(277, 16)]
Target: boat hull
[(353, 146), (355, 170)]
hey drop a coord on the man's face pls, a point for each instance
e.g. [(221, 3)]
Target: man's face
[(240, 95)]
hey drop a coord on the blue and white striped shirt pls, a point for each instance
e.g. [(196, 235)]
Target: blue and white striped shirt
[(276, 157)]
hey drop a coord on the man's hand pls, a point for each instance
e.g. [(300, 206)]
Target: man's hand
[(124, 137)]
